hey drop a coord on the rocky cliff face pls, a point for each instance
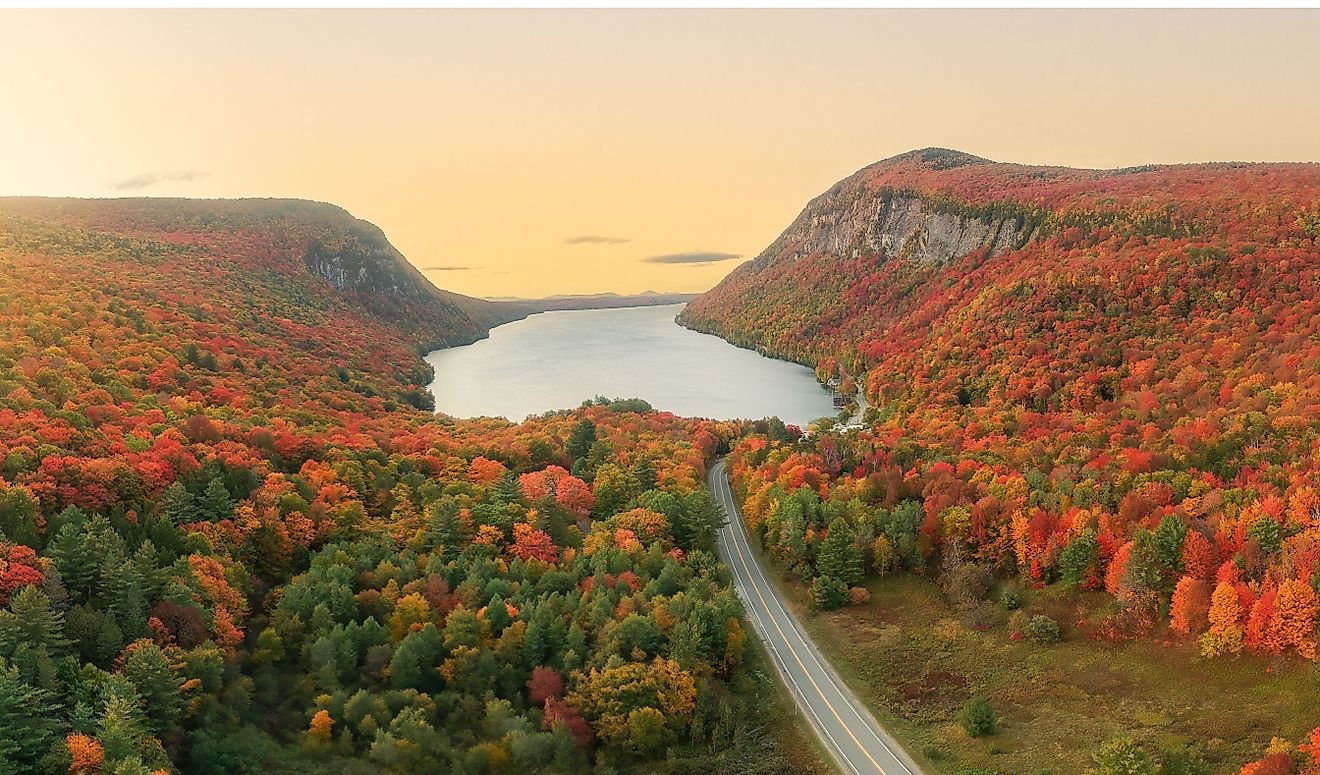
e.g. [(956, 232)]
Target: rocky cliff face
[(357, 258), (362, 260), (856, 217), (902, 225)]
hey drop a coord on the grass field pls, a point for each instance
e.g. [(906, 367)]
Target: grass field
[(909, 658)]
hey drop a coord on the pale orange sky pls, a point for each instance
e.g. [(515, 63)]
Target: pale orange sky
[(488, 139)]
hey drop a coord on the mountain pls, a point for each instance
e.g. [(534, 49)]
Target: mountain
[(309, 244), (1098, 390), (599, 301), (950, 277)]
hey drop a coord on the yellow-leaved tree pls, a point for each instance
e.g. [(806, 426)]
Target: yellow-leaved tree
[(637, 705)]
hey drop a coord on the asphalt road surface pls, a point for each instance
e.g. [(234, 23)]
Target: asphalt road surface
[(845, 727)]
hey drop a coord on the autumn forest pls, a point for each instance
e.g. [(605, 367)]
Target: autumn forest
[(235, 536)]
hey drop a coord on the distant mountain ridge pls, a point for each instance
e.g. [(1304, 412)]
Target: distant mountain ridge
[(598, 300)]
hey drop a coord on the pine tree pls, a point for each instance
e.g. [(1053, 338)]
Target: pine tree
[(150, 672), (1079, 562), (828, 593), (442, 527), (125, 598), (700, 518), (1143, 574), (838, 558), (177, 504), (69, 551), (644, 473), (121, 727), (1169, 539), (27, 722), (414, 663), (581, 439), (31, 622), (506, 490), (216, 505)]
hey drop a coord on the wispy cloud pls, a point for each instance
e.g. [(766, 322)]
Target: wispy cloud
[(450, 268), (148, 179), (692, 257), (593, 239)]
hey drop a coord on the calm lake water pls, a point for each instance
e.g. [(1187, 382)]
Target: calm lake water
[(556, 360)]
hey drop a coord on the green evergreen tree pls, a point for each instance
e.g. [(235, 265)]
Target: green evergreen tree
[(31, 623), (415, 660), (69, 551), (28, 722), (581, 439), (1143, 568), (442, 527), (1169, 538), (125, 598), (216, 505), (828, 593), (150, 672), (701, 517), (497, 613), (507, 489), (120, 728), (177, 504), (838, 557), (644, 473), (1268, 533)]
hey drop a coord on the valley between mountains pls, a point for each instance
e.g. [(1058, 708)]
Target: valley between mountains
[(1074, 525)]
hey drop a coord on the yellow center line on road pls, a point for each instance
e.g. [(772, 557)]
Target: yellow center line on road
[(782, 669), (742, 559), (816, 658)]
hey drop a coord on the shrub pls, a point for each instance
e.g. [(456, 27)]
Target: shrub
[(967, 583), (1184, 761), (828, 593), (981, 615), (979, 718), (1011, 599), (1121, 756), (1041, 629), (859, 595)]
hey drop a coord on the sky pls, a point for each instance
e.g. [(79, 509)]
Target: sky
[(538, 152)]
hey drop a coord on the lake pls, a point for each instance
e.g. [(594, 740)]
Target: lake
[(557, 360)]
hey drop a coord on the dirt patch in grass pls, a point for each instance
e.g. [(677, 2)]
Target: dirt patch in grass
[(936, 688)]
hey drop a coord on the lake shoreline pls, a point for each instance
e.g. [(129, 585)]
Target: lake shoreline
[(547, 362)]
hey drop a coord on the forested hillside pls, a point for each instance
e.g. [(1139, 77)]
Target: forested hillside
[(233, 539), (1093, 392)]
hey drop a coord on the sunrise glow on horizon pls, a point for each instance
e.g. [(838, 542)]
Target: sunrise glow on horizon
[(530, 153)]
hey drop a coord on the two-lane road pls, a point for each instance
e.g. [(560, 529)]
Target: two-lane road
[(843, 724)]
